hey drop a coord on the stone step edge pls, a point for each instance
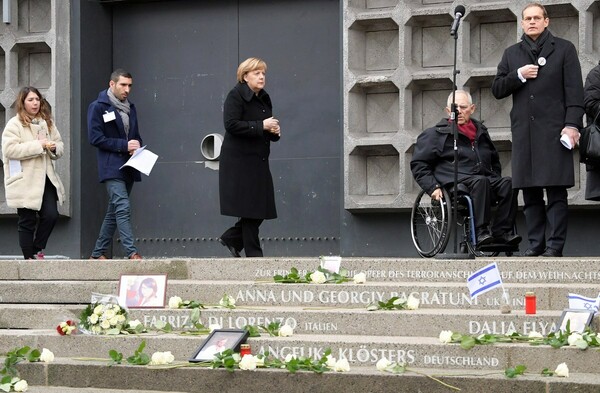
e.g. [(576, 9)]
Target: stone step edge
[(323, 338), (414, 378), (271, 308)]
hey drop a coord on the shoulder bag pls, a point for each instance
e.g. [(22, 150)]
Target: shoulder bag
[(589, 144)]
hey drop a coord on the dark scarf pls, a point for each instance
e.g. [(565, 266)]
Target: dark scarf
[(536, 46)]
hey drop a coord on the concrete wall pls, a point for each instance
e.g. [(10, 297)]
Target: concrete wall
[(354, 81)]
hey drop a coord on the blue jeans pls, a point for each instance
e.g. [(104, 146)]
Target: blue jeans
[(118, 215)]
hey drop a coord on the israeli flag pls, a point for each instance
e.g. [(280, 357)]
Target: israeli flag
[(484, 280), (579, 302)]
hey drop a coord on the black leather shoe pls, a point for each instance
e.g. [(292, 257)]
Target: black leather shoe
[(508, 238), (232, 250), (550, 252), (484, 238), (530, 252)]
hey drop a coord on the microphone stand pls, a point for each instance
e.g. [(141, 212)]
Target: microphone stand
[(454, 119)]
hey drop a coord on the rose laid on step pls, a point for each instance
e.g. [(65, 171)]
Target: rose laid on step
[(286, 331), (562, 370), (66, 328)]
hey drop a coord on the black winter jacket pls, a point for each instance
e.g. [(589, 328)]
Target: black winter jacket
[(432, 164)]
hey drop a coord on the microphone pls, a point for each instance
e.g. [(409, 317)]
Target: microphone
[(459, 12)]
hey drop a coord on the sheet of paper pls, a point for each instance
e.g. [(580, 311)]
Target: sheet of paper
[(14, 167), (143, 160), (331, 263)]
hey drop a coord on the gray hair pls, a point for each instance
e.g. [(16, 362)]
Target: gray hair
[(469, 98)]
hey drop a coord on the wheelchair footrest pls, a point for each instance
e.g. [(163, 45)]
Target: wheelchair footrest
[(498, 248)]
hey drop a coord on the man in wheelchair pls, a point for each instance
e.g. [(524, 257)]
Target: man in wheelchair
[(479, 170)]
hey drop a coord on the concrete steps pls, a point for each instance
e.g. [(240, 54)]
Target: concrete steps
[(37, 295), (304, 320), (72, 375), (360, 350), (66, 375)]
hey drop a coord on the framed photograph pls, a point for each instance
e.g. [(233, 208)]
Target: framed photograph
[(143, 290), (580, 319), (219, 340)]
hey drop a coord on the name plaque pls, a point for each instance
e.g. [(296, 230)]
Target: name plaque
[(456, 275)]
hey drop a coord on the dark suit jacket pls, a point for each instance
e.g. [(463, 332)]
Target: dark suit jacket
[(541, 108)]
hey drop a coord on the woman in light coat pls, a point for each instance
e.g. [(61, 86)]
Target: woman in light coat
[(30, 144)]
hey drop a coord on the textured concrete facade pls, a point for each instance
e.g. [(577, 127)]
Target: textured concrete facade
[(398, 58), (35, 51)]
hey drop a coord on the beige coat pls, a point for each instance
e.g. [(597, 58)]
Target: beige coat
[(20, 143)]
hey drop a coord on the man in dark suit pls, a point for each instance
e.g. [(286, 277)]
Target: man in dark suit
[(543, 75)]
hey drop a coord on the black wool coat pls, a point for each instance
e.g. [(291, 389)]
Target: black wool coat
[(432, 164), (245, 182), (591, 93), (542, 107)]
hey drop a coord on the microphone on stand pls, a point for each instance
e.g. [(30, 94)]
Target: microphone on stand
[(459, 12)]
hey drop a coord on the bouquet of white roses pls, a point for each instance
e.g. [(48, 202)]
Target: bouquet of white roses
[(103, 318)]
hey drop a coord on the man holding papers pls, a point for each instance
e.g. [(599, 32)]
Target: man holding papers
[(113, 129)]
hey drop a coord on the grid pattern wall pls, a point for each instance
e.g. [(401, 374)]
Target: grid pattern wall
[(34, 51), (398, 61)]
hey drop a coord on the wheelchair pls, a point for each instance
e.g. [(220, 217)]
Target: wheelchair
[(432, 224)]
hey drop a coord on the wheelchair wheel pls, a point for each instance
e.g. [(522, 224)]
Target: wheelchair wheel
[(430, 224)]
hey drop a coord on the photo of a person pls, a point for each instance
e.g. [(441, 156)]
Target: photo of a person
[(220, 345), (143, 291), (147, 293), (219, 341)]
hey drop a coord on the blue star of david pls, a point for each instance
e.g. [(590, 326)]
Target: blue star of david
[(588, 306), (482, 280)]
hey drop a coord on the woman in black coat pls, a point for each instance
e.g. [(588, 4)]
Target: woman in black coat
[(245, 182), (592, 107)]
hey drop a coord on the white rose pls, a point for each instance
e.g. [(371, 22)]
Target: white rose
[(286, 331), (121, 318), (134, 324), (360, 278), (535, 334), (114, 321), (175, 302), (96, 329), (573, 338), (248, 362), (331, 361), (116, 308), (227, 301), (162, 358), (93, 319), (21, 386), (445, 336), (105, 324), (383, 364), (98, 309), (318, 277), (342, 365), (168, 357), (109, 314), (214, 326), (236, 356), (289, 357), (561, 370), (46, 356), (412, 303)]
